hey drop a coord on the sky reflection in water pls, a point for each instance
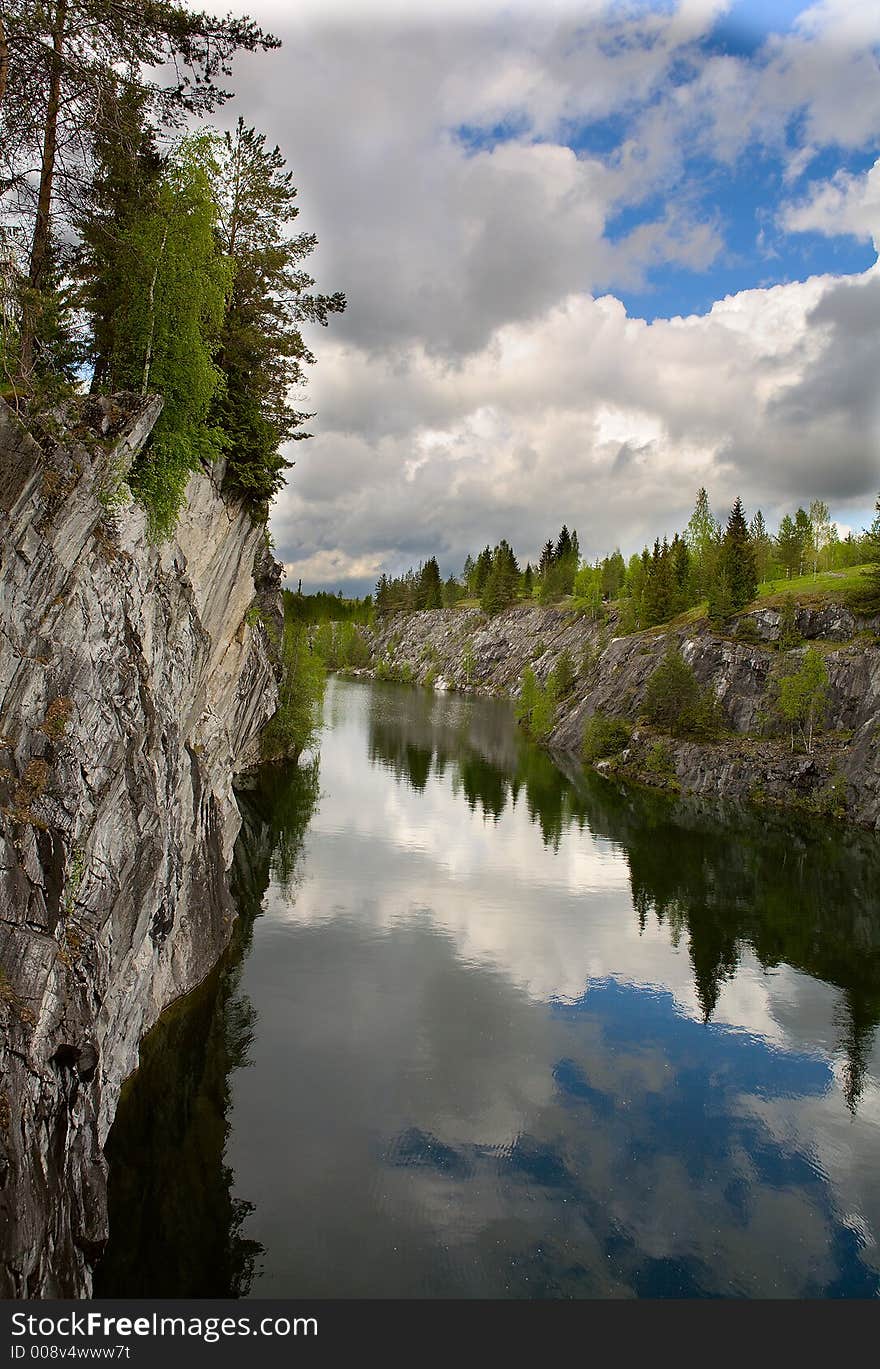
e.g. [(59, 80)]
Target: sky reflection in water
[(503, 1032)]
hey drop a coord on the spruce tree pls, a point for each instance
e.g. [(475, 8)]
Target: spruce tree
[(737, 560), (262, 353), (761, 545)]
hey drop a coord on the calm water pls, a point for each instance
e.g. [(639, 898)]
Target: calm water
[(498, 1032)]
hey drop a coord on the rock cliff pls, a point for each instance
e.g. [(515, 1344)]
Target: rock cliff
[(133, 685), (462, 649)]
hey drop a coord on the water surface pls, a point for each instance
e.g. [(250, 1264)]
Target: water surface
[(491, 1030)]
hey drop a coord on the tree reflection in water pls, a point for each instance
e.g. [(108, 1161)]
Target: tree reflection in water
[(727, 887)]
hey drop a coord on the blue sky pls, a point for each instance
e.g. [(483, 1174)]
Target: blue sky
[(595, 256)]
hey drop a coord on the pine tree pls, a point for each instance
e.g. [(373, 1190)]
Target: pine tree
[(124, 189), (548, 556), (720, 598), (63, 56), (262, 353), (481, 570), (737, 559), (761, 545)]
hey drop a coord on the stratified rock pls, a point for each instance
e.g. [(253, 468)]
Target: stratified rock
[(132, 688), (463, 649)]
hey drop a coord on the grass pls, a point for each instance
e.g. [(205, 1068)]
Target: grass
[(827, 584), (806, 587)]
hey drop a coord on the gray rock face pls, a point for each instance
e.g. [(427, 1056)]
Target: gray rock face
[(465, 650), (132, 688)]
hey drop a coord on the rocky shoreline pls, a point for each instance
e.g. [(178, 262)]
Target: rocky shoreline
[(465, 650)]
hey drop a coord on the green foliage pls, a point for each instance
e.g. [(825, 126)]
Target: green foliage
[(789, 636), (736, 560), (564, 674), (124, 189), (297, 721), (468, 662), (703, 536), (604, 736), (801, 696), (747, 631), (340, 646), (675, 702), (501, 585), (171, 308), (866, 600), (832, 800), (659, 761), (535, 706), (720, 602), (262, 353), (323, 607)]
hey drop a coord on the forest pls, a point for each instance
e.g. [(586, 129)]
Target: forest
[(142, 250), (719, 565)]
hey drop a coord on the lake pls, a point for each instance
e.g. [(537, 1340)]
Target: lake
[(493, 1027)]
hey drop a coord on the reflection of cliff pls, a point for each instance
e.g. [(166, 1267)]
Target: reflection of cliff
[(795, 893), (175, 1228)]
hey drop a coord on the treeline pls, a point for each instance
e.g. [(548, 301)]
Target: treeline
[(136, 256), (323, 607), (721, 564), (494, 578)]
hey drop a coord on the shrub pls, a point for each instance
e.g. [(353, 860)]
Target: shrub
[(297, 719), (604, 736), (801, 697), (675, 702), (564, 674), (789, 636), (535, 707), (747, 631), (659, 760)]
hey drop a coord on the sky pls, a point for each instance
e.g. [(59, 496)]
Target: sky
[(595, 256)]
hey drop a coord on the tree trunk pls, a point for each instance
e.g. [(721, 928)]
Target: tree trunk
[(4, 60), (148, 354), (39, 260)]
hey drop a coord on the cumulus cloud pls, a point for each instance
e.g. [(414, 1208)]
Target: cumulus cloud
[(597, 419), (845, 204), (466, 168)]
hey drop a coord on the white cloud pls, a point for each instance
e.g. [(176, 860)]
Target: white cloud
[(845, 204), (597, 419), (480, 383)]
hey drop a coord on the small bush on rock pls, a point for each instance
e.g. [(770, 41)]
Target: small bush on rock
[(675, 702), (604, 736)]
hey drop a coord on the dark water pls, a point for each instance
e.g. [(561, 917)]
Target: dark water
[(498, 1032)]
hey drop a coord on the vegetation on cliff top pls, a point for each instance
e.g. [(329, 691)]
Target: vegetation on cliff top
[(139, 258), (705, 570)]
